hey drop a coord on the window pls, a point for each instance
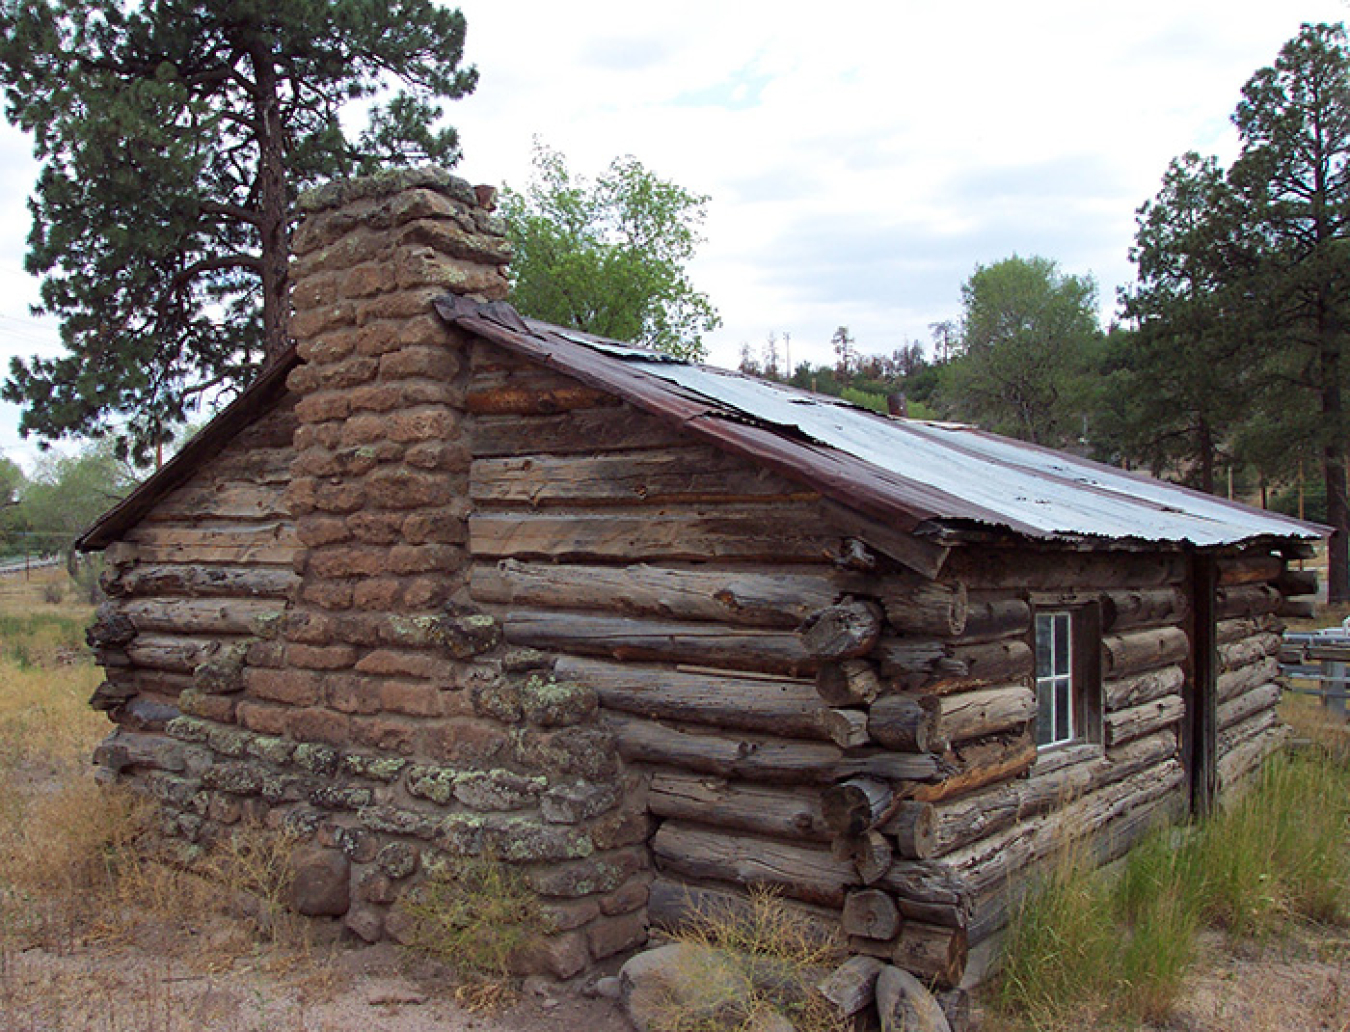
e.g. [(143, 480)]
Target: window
[(1068, 703), (1055, 717)]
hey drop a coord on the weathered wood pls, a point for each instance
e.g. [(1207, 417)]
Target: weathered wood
[(241, 501), (904, 1004), (282, 555), (906, 723), (1143, 607), (851, 987), (609, 429), (962, 820), (854, 806), (931, 892), (631, 638), (169, 652), (212, 532), (909, 661), (1235, 655), (871, 914), (850, 683), (1243, 758), (991, 617), (932, 952), (985, 711), (1244, 679), (1263, 722), (919, 606), (759, 758), (195, 581), (526, 400), (911, 825), (754, 598), (778, 812), (1237, 628), (846, 630), (1125, 725), (989, 663), (775, 707), (672, 903), (1251, 568), (980, 763), (923, 557), (1304, 608), (1026, 569), (1247, 704), (689, 474), (786, 533), (1246, 600), (872, 854), (200, 616), (846, 728), (802, 872), (1296, 582), (1154, 684), (1137, 651)]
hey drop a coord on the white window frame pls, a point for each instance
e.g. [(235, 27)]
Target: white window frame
[(1059, 707)]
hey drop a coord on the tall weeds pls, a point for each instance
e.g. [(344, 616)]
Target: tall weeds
[(1088, 943)]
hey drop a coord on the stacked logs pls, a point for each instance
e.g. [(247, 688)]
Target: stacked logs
[(1254, 592)]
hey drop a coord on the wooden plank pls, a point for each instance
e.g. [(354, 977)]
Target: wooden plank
[(1029, 569), (923, 557), (1249, 568), (1137, 651), (691, 474), (802, 872), (199, 616), (215, 533), (1125, 725), (975, 764), (758, 757), (987, 711), (790, 813), (788, 533), (172, 653), (670, 641), (779, 707), (222, 501), (1154, 684), (195, 581), (1246, 705), (750, 597), (589, 431)]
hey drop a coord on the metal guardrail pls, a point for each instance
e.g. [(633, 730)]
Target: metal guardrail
[(1323, 657)]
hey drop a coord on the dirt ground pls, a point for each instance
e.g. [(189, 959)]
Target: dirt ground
[(1297, 983), (372, 989)]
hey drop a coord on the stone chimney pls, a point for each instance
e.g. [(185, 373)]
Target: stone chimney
[(432, 739)]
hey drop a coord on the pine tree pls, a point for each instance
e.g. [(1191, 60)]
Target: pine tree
[(174, 136)]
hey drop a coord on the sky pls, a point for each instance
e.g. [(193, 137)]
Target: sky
[(860, 159)]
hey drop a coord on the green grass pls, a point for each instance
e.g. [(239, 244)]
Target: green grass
[(1088, 944)]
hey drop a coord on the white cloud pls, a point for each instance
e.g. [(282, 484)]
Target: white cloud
[(862, 158)]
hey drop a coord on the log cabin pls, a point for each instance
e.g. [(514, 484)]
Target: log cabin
[(445, 581)]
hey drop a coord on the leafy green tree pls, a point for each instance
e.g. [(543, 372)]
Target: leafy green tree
[(1292, 181), (1179, 384), (68, 492), (1029, 337), (609, 257), (174, 136)]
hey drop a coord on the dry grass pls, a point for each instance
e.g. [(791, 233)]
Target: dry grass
[(747, 962), (77, 873), (1090, 951)]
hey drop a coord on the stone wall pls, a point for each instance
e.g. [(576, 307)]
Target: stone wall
[(384, 718)]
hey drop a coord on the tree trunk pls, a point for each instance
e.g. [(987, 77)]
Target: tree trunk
[(272, 201)]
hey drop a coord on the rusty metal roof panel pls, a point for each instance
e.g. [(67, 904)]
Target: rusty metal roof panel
[(916, 471)]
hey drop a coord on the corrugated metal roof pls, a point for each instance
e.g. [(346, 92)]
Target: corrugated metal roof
[(919, 472)]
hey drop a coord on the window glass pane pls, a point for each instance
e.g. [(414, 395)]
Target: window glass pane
[(1062, 643), (1063, 709), (1044, 648), (1045, 712)]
